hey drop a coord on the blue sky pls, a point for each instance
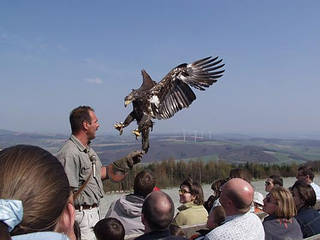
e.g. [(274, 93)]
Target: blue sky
[(57, 55)]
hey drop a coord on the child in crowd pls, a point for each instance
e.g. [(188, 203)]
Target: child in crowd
[(258, 202), (109, 229), (216, 217)]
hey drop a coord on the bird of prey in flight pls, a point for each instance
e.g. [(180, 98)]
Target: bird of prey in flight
[(163, 99)]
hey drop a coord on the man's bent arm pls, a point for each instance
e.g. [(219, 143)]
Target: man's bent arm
[(116, 171)]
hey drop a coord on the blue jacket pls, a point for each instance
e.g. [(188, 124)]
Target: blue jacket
[(309, 220)]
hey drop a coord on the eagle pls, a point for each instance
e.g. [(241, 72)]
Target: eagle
[(163, 99)]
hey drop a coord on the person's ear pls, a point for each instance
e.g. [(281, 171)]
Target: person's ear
[(66, 221), (85, 125)]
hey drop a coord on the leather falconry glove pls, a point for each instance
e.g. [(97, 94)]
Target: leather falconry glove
[(134, 158), (119, 169)]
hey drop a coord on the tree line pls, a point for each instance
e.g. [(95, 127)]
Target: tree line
[(171, 173)]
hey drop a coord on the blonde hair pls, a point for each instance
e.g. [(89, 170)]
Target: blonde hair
[(286, 205), (37, 178)]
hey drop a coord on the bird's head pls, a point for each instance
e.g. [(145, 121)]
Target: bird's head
[(131, 97)]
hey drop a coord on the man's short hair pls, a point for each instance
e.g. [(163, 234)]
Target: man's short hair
[(307, 170), (144, 183), (158, 216), (109, 228), (78, 116), (277, 180)]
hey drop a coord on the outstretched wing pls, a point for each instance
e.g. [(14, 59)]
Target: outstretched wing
[(173, 93)]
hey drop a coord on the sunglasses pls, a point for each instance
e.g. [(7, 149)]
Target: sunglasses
[(182, 191), (267, 183)]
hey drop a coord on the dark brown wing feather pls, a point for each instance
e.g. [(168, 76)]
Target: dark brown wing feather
[(173, 93), (147, 83)]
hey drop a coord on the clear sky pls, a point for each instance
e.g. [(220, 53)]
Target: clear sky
[(57, 55)]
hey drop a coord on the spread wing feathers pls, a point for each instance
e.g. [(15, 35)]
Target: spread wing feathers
[(147, 83), (173, 93)]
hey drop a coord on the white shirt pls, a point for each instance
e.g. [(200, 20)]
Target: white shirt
[(246, 226), (316, 188)]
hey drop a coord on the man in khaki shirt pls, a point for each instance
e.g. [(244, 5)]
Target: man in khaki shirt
[(84, 169)]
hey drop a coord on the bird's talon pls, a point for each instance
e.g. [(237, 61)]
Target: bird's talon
[(136, 133), (119, 126)]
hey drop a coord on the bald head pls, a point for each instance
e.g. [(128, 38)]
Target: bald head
[(236, 196), (158, 210)]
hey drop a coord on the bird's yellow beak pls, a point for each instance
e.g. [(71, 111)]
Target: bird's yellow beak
[(126, 103)]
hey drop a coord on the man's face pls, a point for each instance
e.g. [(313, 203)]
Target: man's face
[(93, 126), (269, 184)]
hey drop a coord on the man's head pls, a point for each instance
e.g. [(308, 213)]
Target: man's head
[(83, 119), (236, 196), (305, 174), (109, 228), (157, 211), (144, 183), (273, 181)]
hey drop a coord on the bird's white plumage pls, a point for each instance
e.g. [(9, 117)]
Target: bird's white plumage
[(155, 100)]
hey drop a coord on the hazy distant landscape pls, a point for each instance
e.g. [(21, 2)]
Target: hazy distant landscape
[(229, 148)]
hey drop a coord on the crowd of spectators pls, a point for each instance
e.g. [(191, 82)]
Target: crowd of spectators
[(37, 202)]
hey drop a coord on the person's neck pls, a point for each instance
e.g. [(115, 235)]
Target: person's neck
[(82, 137), (232, 212)]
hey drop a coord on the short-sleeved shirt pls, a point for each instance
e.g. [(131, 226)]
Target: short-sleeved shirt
[(238, 227), (77, 162), (316, 189)]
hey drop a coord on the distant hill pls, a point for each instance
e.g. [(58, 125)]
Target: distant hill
[(6, 132), (230, 148)]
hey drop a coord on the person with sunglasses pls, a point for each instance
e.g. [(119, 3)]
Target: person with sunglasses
[(273, 181), (191, 211), (280, 224)]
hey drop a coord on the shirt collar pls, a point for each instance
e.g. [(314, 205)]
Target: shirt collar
[(79, 145), (229, 218), (186, 206)]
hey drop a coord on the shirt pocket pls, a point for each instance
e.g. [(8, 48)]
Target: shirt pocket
[(86, 168)]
